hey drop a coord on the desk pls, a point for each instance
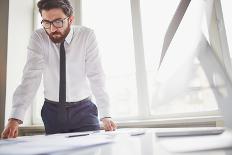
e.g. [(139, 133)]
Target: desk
[(125, 144)]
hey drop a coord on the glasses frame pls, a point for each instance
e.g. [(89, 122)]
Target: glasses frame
[(52, 23)]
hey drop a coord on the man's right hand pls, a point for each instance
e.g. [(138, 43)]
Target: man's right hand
[(11, 130)]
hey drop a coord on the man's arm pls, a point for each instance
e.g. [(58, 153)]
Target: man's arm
[(96, 77), (25, 92)]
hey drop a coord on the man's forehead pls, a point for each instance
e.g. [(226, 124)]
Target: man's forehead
[(53, 14)]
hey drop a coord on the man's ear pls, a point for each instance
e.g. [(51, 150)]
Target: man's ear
[(71, 19)]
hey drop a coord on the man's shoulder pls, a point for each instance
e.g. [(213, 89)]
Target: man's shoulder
[(39, 33), (81, 29)]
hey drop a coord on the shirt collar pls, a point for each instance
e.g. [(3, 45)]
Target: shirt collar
[(69, 37)]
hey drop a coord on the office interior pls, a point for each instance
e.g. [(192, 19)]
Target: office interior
[(130, 33)]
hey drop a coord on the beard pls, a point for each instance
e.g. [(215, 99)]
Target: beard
[(58, 37)]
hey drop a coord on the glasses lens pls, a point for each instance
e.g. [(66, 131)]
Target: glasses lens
[(58, 23), (45, 24)]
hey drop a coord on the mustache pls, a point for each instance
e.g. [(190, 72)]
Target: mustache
[(55, 33)]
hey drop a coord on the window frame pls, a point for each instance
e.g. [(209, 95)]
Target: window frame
[(141, 73)]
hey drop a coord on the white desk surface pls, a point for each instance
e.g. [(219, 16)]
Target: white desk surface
[(145, 144)]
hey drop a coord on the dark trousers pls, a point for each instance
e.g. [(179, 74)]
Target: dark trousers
[(60, 118)]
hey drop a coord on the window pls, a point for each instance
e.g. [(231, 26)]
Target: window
[(112, 23), (228, 22), (19, 31), (116, 25), (39, 98), (199, 96)]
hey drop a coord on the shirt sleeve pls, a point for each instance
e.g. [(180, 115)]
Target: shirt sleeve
[(96, 76), (32, 74)]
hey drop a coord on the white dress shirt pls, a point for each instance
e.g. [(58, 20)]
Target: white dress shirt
[(84, 73)]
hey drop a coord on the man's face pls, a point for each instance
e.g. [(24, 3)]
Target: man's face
[(57, 34)]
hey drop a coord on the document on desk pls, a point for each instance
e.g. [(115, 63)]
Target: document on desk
[(175, 132), (125, 131), (197, 143), (51, 144)]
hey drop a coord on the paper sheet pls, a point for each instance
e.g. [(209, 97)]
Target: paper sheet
[(50, 144), (197, 143)]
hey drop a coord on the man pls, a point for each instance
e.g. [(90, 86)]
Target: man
[(66, 57)]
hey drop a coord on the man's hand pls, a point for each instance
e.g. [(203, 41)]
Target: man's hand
[(11, 130), (108, 124)]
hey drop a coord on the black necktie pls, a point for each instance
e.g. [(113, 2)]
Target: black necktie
[(62, 91)]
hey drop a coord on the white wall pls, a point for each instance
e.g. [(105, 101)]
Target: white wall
[(19, 31)]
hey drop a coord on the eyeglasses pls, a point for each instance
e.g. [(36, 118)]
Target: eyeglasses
[(58, 23)]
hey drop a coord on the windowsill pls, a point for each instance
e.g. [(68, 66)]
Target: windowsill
[(205, 121), (29, 130)]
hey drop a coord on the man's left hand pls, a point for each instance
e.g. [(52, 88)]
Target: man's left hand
[(108, 124)]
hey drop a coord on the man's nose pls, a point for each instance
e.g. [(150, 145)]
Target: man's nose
[(53, 28)]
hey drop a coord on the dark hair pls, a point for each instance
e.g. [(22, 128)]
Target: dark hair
[(52, 4)]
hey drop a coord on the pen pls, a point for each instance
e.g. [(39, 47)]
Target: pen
[(85, 134), (137, 133)]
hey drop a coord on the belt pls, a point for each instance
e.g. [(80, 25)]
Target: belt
[(69, 103)]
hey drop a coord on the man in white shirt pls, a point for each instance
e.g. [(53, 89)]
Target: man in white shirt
[(68, 59)]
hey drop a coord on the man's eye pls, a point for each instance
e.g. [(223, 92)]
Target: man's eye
[(46, 23), (57, 22)]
